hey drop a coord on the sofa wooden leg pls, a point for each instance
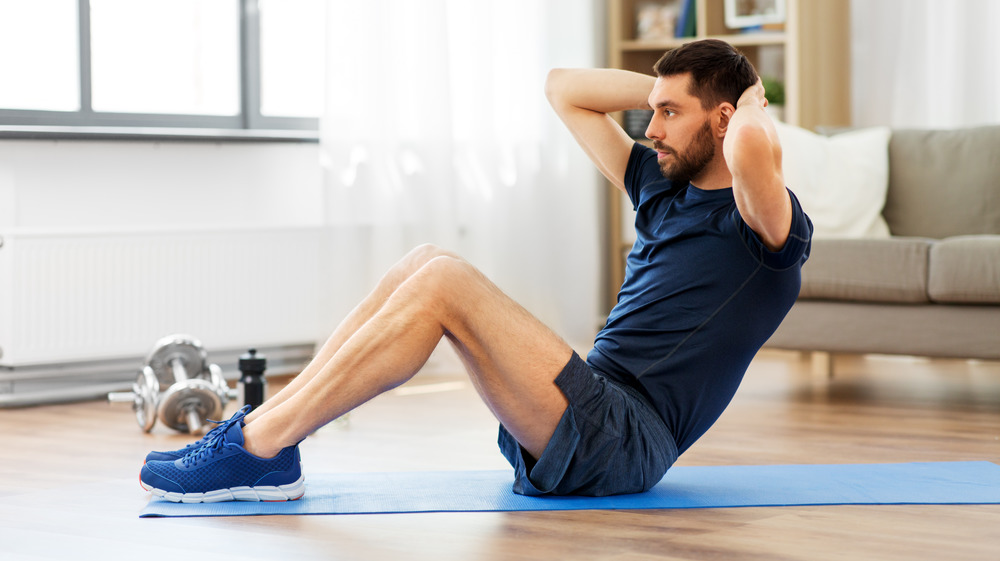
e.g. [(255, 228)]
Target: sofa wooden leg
[(822, 364)]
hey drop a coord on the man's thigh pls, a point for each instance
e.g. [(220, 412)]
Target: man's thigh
[(512, 357)]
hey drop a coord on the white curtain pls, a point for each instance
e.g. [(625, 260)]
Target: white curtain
[(437, 130), (926, 63)]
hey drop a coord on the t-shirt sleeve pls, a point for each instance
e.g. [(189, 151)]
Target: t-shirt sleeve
[(797, 246), (641, 170)]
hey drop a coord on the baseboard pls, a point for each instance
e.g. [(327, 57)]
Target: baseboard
[(40, 384)]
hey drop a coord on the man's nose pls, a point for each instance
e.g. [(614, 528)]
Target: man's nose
[(654, 131)]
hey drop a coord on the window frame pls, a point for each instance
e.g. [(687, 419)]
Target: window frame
[(249, 124)]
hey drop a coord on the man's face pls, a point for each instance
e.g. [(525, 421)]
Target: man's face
[(680, 129)]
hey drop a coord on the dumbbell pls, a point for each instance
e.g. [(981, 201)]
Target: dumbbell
[(144, 395), (191, 397), (195, 391)]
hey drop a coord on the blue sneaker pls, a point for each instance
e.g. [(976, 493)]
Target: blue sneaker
[(223, 470), (219, 429)]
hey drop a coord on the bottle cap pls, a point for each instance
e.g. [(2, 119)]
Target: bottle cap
[(253, 362)]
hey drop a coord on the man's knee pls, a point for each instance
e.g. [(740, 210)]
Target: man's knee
[(446, 278), (425, 253), (447, 267), (414, 261)]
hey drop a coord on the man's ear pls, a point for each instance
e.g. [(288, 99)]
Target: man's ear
[(724, 112)]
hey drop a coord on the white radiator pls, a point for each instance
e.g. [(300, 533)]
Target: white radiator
[(74, 297)]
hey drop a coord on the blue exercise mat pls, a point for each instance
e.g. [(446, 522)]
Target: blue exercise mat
[(682, 487)]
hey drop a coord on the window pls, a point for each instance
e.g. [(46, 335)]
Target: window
[(241, 68), (294, 90), (49, 78), (180, 60)]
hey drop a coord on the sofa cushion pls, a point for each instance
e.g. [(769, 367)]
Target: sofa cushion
[(866, 270), (965, 270), (840, 181), (944, 183)]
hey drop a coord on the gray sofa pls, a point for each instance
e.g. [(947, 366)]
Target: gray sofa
[(933, 288)]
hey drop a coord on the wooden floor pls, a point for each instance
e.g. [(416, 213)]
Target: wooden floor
[(68, 487)]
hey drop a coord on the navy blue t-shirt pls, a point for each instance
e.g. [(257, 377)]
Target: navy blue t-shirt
[(701, 296)]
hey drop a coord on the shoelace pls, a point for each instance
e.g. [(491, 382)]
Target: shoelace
[(209, 436), (212, 445)]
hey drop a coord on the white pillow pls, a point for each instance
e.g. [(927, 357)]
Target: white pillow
[(839, 180)]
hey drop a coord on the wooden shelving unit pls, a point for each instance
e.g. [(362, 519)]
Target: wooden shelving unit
[(810, 53)]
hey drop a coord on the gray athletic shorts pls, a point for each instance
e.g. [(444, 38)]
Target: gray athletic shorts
[(610, 441)]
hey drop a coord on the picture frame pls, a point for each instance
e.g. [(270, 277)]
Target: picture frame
[(752, 13), (655, 20)]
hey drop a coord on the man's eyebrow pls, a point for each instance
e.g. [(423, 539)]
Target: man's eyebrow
[(665, 103)]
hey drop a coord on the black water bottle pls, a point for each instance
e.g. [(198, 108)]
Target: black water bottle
[(253, 384)]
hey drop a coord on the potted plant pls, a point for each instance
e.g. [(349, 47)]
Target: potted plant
[(774, 92)]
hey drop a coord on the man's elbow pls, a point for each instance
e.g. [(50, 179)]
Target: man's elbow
[(774, 234), (767, 208)]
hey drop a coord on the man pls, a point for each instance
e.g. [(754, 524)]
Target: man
[(714, 270)]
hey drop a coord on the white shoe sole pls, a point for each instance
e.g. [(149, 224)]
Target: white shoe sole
[(289, 492)]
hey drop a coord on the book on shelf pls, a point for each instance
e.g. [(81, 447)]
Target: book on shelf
[(686, 19)]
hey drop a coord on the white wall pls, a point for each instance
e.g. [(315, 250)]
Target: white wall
[(84, 185), (150, 196)]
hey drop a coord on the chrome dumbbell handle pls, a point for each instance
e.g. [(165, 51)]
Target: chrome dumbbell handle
[(192, 414), (177, 366), (193, 421), (226, 393)]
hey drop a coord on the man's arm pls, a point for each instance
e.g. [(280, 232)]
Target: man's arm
[(583, 98), (753, 154)]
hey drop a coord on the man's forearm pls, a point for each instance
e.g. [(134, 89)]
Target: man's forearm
[(753, 154), (751, 145), (602, 90), (583, 98)]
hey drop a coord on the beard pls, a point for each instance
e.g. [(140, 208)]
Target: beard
[(687, 166)]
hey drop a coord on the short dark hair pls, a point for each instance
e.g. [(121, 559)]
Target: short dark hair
[(718, 71)]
